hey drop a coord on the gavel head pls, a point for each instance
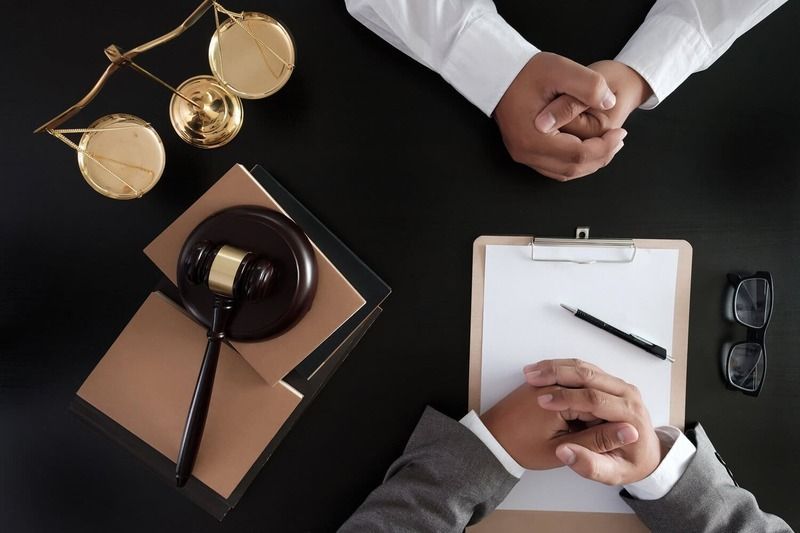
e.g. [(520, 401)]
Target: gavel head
[(270, 272), (229, 271)]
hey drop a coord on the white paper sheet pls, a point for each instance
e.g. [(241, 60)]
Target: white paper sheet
[(524, 323)]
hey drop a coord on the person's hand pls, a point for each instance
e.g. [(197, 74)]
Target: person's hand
[(531, 434), (571, 116), (606, 397), (555, 154)]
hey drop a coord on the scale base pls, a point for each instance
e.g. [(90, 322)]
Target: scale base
[(214, 121)]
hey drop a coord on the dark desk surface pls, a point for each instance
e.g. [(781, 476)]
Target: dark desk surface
[(407, 173)]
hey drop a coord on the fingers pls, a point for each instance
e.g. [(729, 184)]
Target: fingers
[(590, 465), (592, 151), (568, 157), (574, 373), (587, 125), (600, 404), (604, 437), (573, 416), (559, 112)]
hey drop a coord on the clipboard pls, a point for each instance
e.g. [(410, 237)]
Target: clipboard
[(512, 521)]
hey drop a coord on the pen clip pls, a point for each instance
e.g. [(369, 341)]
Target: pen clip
[(637, 337)]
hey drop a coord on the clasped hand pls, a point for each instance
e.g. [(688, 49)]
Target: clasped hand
[(572, 413), (565, 120)]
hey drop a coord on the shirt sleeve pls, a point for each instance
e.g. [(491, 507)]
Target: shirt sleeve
[(672, 467), (681, 37), (466, 41), (473, 422)]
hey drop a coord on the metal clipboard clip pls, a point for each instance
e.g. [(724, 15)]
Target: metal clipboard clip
[(626, 247)]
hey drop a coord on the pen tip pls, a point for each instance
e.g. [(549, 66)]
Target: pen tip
[(568, 308)]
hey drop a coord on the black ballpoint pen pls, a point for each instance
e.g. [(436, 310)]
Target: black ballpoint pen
[(637, 341)]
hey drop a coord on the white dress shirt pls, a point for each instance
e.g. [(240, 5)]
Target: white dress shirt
[(480, 54), (653, 487)]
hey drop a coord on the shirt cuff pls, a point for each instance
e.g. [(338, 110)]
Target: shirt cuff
[(485, 59), (473, 422), (666, 475), (665, 50)]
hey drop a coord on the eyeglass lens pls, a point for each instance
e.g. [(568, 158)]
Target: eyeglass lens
[(746, 365), (752, 302)]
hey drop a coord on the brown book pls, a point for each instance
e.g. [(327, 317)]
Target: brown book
[(336, 300), (145, 383)]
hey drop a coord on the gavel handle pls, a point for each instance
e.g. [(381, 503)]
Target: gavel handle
[(198, 410)]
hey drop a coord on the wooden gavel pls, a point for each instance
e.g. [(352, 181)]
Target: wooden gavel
[(232, 275), (240, 295)]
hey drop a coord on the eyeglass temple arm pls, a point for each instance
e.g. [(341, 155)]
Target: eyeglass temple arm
[(121, 60)]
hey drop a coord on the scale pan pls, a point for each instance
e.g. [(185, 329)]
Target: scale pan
[(253, 56), (122, 158)]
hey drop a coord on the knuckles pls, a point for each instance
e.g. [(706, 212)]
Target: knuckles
[(603, 443), (579, 158), (517, 155), (568, 110), (548, 368), (598, 88), (594, 397), (523, 150), (571, 171), (520, 151), (585, 372), (634, 391), (594, 471)]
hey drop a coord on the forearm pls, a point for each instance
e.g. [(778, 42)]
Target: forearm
[(446, 479), (466, 41), (705, 499), (680, 37)]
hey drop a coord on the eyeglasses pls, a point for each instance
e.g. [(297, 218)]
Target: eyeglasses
[(121, 156), (749, 303)]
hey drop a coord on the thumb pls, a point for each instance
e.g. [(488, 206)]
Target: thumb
[(585, 84), (590, 465), (604, 437)]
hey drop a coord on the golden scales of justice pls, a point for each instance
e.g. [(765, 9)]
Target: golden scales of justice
[(121, 156)]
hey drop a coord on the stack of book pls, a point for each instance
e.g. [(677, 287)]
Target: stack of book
[(139, 392)]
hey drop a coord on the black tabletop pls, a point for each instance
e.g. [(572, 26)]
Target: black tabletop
[(408, 174)]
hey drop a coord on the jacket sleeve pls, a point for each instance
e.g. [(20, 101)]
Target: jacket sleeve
[(445, 480), (705, 499)]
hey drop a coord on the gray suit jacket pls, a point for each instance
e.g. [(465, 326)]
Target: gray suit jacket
[(447, 479)]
